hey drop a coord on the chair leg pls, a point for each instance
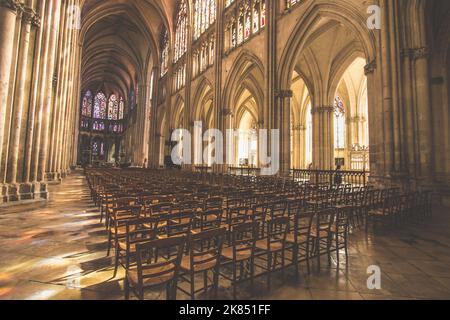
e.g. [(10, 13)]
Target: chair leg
[(269, 269), (234, 279), (127, 288), (295, 258), (109, 244), (192, 285), (216, 281), (117, 258)]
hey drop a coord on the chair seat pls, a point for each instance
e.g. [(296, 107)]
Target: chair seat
[(301, 239), (320, 234), (121, 231), (186, 263), (123, 246), (148, 280), (377, 212), (274, 246), (242, 255), (340, 229)]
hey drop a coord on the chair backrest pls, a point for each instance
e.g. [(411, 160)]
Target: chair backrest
[(278, 209), (179, 223), (324, 219), (210, 219), (303, 223), (244, 237), (160, 259), (161, 208), (277, 230), (213, 203), (141, 230), (205, 248)]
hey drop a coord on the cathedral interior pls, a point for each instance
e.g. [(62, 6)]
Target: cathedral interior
[(136, 137)]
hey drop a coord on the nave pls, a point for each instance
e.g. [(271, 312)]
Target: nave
[(58, 251)]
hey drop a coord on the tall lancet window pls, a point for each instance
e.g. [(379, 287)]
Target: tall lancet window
[(339, 124), (164, 47), (204, 16), (181, 31), (86, 109), (100, 106), (113, 108)]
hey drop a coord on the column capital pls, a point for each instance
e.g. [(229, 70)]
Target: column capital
[(29, 15), (284, 94), (323, 109), (370, 67), (12, 5), (299, 127), (415, 53)]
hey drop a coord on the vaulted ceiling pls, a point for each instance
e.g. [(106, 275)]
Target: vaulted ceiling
[(119, 39)]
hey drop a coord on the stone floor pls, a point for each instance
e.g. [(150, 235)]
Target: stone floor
[(56, 250)]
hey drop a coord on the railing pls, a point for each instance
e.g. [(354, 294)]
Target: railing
[(330, 177), (244, 171), (203, 169)]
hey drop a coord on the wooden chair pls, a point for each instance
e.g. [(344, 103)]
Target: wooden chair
[(299, 239), (205, 249), (139, 230), (340, 232), (321, 233), (207, 220), (240, 255), (273, 246), (158, 264)]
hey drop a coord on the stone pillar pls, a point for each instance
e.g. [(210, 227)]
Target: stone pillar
[(8, 15), (14, 192), (35, 87), (60, 105), (284, 124), (48, 94), (424, 120), (323, 137)]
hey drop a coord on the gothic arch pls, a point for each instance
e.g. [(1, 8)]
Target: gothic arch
[(339, 11), (245, 64)]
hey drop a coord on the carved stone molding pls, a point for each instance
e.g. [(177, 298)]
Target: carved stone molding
[(299, 127), (415, 53), (227, 112), (323, 109), (420, 53), (12, 5), (370, 67), (283, 94), (29, 15)]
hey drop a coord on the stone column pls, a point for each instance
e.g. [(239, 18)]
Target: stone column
[(8, 12), (43, 151), (19, 104), (59, 107), (424, 120), (323, 137), (40, 94), (35, 87), (284, 124)]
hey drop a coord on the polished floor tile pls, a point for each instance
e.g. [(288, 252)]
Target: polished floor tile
[(57, 250)]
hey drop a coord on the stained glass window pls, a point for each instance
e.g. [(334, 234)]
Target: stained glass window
[(87, 104), (339, 124), (121, 108), (244, 19), (204, 16), (98, 126), (113, 108), (181, 31), (100, 106), (164, 46)]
